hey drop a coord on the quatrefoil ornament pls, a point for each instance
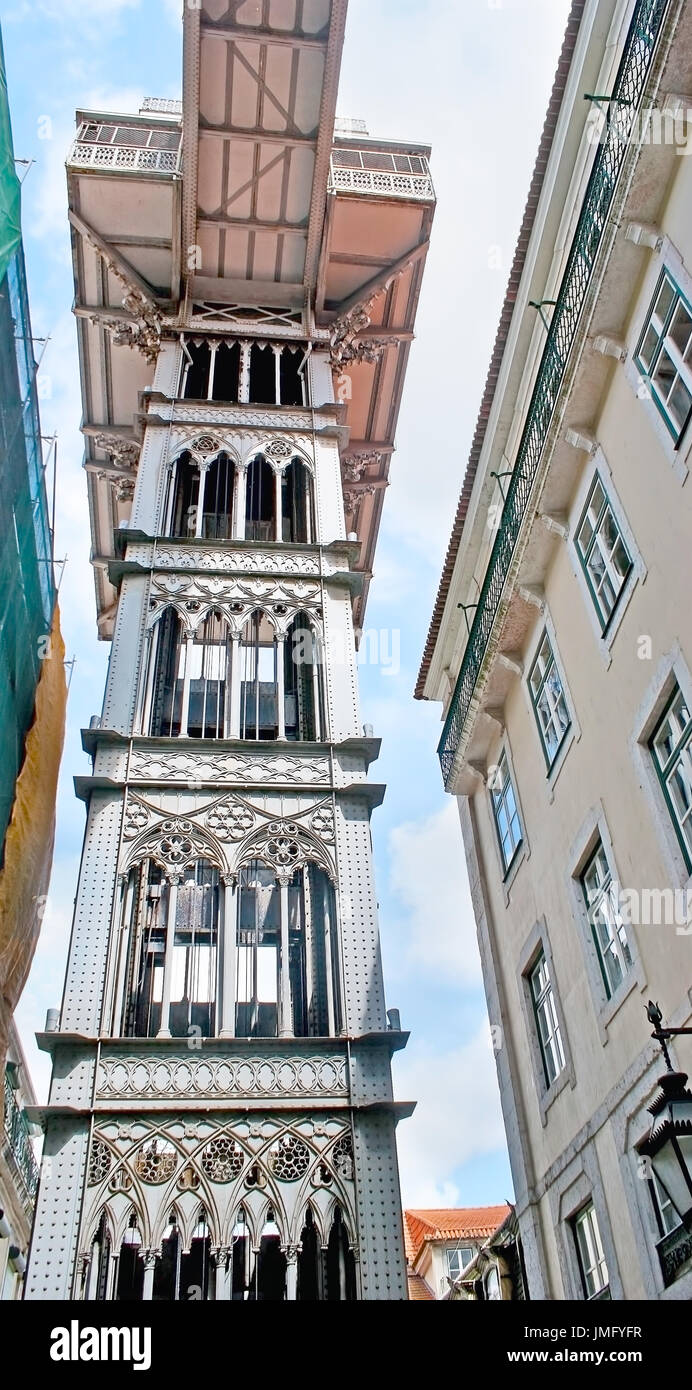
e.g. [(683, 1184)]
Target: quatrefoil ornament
[(230, 821)]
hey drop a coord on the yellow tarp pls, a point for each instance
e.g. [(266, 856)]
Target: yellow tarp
[(29, 841)]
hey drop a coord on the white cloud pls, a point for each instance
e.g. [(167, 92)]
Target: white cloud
[(447, 73), (457, 1117), (76, 9), (48, 216), (174, 10), (428, 875)]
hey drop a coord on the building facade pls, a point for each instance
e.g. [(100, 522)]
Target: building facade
[(561, 650), (496, 1272), (221, 1121), (18, 1171), (444, 1244), (32, 676)]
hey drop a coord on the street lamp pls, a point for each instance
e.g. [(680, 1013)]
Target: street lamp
[(669, 1145)]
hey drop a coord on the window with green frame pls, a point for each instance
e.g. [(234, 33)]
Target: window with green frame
[(592, 1261), (664, 354), (671, 749), (547, 1021), (607, 927), (605, 559), (548, 700), (505, 813)]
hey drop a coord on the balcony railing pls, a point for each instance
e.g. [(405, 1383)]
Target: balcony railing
[(406, 177), (674, 1251), (645, 28), (165, 106), (91, 156), (19, 1145)]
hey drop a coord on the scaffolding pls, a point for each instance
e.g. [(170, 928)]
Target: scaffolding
[(27, 591)]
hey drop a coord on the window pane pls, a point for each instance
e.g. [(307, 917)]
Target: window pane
[(680, 402), (590, 1250), (680, 328), (648, 347), (666, 296)]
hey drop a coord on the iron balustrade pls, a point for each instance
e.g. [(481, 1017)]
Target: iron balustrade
[(167, 106), (18, 1143), (384, 184), (85, 155), (646, 25), (674, 1251)]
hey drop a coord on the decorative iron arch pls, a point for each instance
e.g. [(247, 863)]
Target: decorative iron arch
[(279, 453), (176, 844), (204, 448), (284, 846)]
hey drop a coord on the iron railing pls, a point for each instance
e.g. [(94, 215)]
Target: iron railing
[(167, 106), (674, 1251), (87, 155), (383, 183), (19, 1145), (627, 93)]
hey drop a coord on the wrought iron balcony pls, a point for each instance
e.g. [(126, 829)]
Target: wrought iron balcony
[(102, 145), (674, 1251), (384, 173), (18, 1144), (166, 106), (646, 25)]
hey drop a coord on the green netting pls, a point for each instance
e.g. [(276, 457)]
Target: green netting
[(10, 197), (26, 570)]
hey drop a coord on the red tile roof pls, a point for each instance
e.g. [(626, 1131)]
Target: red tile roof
[(450, 1223), (418, 1291), (502, 335)]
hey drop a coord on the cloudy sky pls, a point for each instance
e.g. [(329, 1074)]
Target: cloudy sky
[(472, 78)]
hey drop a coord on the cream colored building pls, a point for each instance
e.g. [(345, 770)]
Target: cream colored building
[(444, 1243), (18, 1170), (561, 650)]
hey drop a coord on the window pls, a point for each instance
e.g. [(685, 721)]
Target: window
[(604, 556), (283, 938), (297, 522), (133, 136), (671, 749), (190, 673), (202, 501), (607, 927), (492, 1286), (548, 699), (547, 1024), (458, 1259), (224, 369), (301, 681), (286, 968), (592, 1263), (259, 671), (130, 1272), (260, 501), (664, 354), (667, 1216), (172, 965), (505, 812)]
